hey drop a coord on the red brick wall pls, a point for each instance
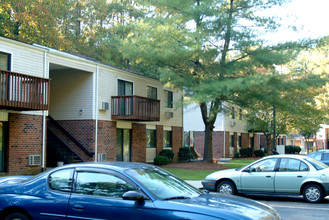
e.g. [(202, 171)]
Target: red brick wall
[(245, 140), (138, 143), (24, 139), (217, 144), (82, 130), (107, 139)]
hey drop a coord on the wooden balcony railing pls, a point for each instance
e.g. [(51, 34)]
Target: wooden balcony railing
[(22, 92), (135, 108)]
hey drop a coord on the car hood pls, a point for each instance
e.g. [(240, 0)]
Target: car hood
[(225, 207), (221, 173)]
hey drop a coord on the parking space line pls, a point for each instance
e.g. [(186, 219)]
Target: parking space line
[(298, 207)]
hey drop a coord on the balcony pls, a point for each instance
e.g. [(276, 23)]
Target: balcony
[(22, 92), (135, 108)]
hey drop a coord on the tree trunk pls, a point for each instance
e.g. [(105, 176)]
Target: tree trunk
[(207, 154)]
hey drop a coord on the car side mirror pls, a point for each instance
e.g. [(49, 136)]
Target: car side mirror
[(247, 170), (133, 195)]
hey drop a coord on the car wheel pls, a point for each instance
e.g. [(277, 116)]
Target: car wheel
[(226, 187), (313, 193), (16, 216)]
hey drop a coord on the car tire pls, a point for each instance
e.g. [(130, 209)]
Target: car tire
[(226, 188), (16, 216), (313, 193)]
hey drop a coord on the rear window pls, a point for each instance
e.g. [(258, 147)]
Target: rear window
[(316, 164)]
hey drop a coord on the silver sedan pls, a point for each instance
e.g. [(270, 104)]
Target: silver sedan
[(274, 175)]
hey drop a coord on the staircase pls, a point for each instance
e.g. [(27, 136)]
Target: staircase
[(63, 147)]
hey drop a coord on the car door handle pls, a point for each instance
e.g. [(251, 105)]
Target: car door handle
[(299, 176), (268, 176), (77, 207)]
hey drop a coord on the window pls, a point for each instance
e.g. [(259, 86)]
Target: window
[(150, 138), (232, 113), (325, 156), (4, 61), (61, 180), (239, 141), (101, 184), (264, 166), (292, 165), (125, 88), (152, 92), (167, 139), (240, 114), (168, 99)]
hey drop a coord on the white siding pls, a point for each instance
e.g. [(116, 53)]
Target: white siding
[(74, 90), (25, 59), (71, 92), (193, 121), (108, 82)]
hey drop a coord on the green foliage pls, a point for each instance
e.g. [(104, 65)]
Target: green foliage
[(167, 153), (259, 153), (290, 149), (161, 160), (237, 155), (246, 152), (184, 154)]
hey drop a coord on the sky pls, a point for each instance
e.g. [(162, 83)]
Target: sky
[(312, 15)]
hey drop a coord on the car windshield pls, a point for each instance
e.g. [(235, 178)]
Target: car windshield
[(317, 164), (162, 184)]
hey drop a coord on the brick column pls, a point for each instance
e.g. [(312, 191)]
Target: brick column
[(177, 140), (138, 143), (24, 139), (159, 139)]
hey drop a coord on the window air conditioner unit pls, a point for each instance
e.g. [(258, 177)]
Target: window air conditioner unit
[(34, 160), (105, 106), (233, 123), (169, 114), (102, 157)]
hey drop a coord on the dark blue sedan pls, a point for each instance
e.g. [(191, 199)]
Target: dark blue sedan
[(118, 190)]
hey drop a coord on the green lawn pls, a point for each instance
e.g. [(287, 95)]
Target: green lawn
[(238, 163), (191, 174)]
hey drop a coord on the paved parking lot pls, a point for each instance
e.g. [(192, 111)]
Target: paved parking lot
[(290, 207), (296, 208)]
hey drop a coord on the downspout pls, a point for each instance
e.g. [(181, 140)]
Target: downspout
[(96, 111), (44, 120)]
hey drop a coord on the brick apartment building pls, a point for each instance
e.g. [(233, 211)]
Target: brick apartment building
[(91, 112)]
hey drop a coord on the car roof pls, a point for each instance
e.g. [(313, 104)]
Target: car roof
[(115, 165), (296, 156)]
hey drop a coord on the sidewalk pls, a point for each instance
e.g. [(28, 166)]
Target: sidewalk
[(195, 183)]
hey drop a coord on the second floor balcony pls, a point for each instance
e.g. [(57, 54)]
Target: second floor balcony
[(22, 92), (135, 108)]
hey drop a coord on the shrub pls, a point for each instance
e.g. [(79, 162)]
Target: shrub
[(161, 160), (237, 155), (184, 154), (259, 153), (167, 153), (290, 149), (246, 152)]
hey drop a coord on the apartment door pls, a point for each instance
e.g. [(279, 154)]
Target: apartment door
[(123, 145)]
